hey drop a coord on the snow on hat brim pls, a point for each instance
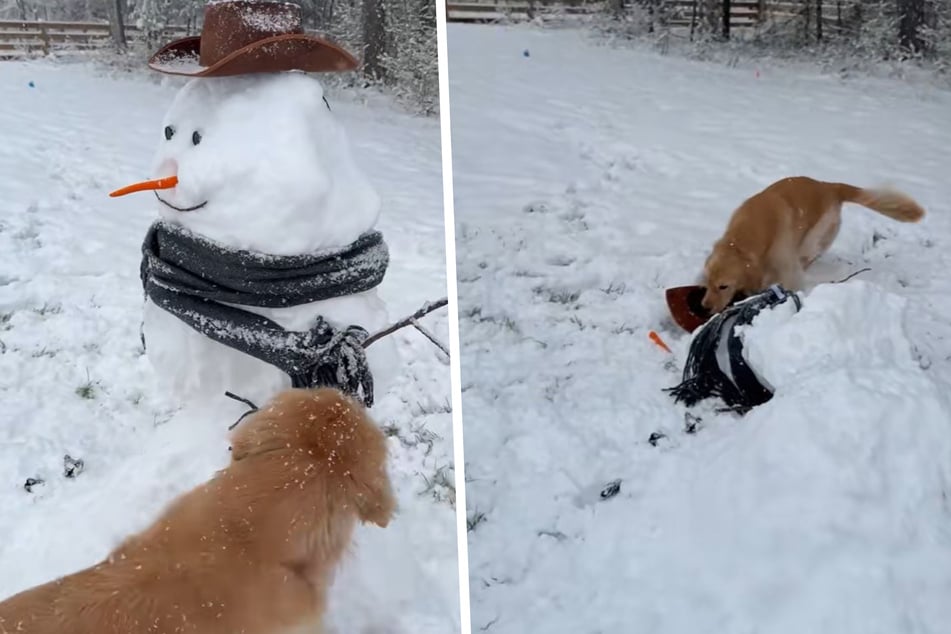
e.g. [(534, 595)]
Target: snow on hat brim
[(240, 37)]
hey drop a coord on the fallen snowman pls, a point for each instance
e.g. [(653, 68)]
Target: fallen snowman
[(262, 270)]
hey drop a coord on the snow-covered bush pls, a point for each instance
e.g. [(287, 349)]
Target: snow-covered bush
[(854, 34), (396, 38)]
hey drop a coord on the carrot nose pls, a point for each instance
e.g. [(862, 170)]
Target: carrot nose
[(159, 183)]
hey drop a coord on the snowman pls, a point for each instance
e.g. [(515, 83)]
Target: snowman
[(262, 270)]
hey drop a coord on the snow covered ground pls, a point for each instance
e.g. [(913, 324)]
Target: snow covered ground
[(73, 379), (587, 180)]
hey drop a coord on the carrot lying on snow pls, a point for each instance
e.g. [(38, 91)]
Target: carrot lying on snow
[(658, 341)]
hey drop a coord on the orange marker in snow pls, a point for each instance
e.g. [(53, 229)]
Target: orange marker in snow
[(658, 341)]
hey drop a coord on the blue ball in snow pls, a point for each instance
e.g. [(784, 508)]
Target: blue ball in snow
[(525, 53), (32, 85)]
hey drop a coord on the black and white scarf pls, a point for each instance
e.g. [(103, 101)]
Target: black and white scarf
[(715, 365), (197, 280)]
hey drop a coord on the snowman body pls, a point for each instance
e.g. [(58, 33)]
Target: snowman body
[(262, 166)]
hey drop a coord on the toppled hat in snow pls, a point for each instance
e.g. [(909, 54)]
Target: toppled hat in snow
[(716, 366), (686, 307), (241, 37)]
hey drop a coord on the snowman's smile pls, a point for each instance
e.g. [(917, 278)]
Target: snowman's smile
[(171, 206)]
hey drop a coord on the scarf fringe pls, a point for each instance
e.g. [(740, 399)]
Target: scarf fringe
[(702, 377)]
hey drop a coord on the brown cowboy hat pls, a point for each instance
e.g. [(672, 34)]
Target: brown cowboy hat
[(239, 37)]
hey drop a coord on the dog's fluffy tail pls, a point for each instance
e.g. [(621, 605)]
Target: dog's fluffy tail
[(336, 434), (888, 202)]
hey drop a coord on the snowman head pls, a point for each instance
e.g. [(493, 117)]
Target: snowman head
[(261, 164)]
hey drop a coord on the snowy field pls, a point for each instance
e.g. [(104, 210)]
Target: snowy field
[(587, 180), (73, 379)]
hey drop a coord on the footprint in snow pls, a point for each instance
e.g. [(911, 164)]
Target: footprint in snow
[(560, 260), (536, 207)]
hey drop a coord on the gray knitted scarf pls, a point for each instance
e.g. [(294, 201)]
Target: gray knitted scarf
[(196, 279)]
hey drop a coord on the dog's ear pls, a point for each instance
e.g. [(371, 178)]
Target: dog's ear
[(259, 433), (359, 448), (365, 465), (708, 262), (374, 499), (339, 436), (749, 273)]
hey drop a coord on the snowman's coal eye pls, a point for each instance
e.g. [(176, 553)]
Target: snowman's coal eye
[(196, 138), (169, 132)]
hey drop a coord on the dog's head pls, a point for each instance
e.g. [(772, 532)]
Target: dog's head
[(343, 447), (727, 273)]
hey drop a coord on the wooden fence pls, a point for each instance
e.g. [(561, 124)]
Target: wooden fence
[(816, 16), (23, 38), (677, 12), (687, 13), (495, 10)]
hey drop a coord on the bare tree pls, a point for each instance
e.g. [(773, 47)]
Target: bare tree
[(910, 23), (118, 23), (374, 39)]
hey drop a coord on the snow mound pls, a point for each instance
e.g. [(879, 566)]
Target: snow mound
[(834, 495), (853, 328)]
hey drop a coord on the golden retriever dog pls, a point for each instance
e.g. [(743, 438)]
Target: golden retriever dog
[(775, 235), (252, 551)]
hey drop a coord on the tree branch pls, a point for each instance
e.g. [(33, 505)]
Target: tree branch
[(436, 342), (427, 308), (850, 276)]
